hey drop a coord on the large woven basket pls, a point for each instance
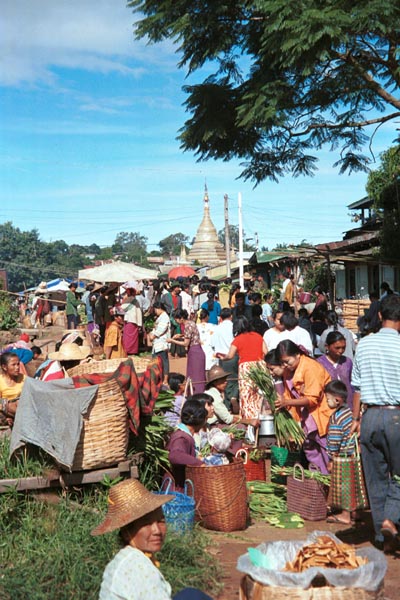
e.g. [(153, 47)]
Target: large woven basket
[(307, 497), (252, 590), (109, 366), (104, 436), (221, 495)]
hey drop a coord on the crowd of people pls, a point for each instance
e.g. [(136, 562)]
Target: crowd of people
[(333, 382)]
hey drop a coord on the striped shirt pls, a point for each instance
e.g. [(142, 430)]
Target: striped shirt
[(339, 432), (376, 368)]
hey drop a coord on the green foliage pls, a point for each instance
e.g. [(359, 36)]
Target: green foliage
[(234, 239), (26, 463), (316, 275), (131, 247), (289, 78), (9, 314), (383, 186), (171, 245)]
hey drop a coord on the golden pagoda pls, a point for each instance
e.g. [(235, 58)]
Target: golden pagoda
[(207, 249)]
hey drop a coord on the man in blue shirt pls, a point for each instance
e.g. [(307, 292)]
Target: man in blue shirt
[(376, 379)]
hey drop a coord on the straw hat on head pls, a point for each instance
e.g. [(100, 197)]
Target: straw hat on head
[(216, 373), (127, 502), (71, 352)]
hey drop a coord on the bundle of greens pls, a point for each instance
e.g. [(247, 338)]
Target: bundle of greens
[(288, 432), (308, 474), (267, 502)]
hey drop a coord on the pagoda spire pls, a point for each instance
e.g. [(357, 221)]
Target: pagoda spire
[(207, 249)]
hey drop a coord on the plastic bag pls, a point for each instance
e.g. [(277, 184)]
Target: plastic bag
[(368, 577)]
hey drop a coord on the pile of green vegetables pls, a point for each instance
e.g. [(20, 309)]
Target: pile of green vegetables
[(288, 432), (308, 474), (267, 502)]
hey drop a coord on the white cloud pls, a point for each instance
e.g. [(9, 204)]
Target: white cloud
[(36, 37)]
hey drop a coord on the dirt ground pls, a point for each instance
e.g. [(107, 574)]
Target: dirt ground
[(229, 546)]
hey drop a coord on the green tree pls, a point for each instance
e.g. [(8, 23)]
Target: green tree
[(289, 77), (383, 186), (131, 247), (234, 238), (171, 245)]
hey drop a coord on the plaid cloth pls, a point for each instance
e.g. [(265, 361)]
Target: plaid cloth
[(140, 393)]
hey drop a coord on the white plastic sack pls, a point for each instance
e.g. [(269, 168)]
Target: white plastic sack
[(368, 577)]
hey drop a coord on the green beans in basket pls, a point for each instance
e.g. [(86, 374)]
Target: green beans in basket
[(288, 431)]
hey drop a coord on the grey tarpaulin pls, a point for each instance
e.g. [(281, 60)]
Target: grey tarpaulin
[(49, 415), (368, 577)]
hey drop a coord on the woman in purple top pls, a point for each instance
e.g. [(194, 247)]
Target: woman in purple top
[(181, 446), (338, 366)]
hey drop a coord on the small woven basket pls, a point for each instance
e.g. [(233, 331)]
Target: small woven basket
[(220, 493), (252, 590), (179, 513), (255, 470), (307, 497), (105, 430)]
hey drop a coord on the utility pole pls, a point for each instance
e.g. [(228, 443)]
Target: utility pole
[(241, 279), (227, 240)]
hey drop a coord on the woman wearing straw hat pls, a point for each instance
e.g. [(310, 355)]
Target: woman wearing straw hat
[(133, 573), (67, 357)]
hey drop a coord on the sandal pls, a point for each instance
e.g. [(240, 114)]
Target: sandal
[(335, 519)]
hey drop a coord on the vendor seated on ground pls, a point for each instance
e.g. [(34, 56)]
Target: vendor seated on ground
[(133, 574), (217, 381), (11, 384), (67, 357), (181, 446)]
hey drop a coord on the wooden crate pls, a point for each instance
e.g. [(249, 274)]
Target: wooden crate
[(352, 310)]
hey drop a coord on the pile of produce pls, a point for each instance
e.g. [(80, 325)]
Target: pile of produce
[(288, 431), (326, 553), (267, 502), (308, 474)]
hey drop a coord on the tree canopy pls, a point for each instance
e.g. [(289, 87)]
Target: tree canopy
[(289, 78), (131, 246), (234, 239), (172, 244), (383, 187)]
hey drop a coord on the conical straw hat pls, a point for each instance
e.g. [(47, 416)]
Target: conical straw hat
[(127, 502)]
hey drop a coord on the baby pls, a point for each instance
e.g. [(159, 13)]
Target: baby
[(219, 442)]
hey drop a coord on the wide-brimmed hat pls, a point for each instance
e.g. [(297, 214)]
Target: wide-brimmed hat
[(71, 352), (127, 502), (216, 373)]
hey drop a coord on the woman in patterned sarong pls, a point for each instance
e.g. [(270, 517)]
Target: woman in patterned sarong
[(251, 349)]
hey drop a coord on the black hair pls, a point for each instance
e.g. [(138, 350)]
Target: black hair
[(179, 314), (271, 358), (159, 304), (193, 413), (318, 289), (318, 314), (210, 302), (256, 310), (303, 312), (374, 294), (332, 319), (225, 313), (256, 296), (175, 380), (6, 357), (203, 398), (288, 320), (267, 296), (390, 308), (288, 348), (203, 314), (333, 337), (241, 325), (283, 306), (386, 287), (36, 350), (336, 388)]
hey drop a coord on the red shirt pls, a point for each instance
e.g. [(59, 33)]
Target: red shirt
[(249, 347)]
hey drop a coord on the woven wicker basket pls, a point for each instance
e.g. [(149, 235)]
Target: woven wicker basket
[(221, 495), (109, 366), (305, 496), (104, 436), (255, 470), (252, 590)]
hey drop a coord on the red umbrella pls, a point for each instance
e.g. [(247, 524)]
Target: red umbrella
[(182, 271)]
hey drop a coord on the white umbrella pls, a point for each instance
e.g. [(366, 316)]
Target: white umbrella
[(117, 271)]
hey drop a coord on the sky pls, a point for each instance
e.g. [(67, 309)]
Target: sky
[(88, 123)]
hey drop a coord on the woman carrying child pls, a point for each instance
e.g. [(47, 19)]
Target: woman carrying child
[(338, 365)]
